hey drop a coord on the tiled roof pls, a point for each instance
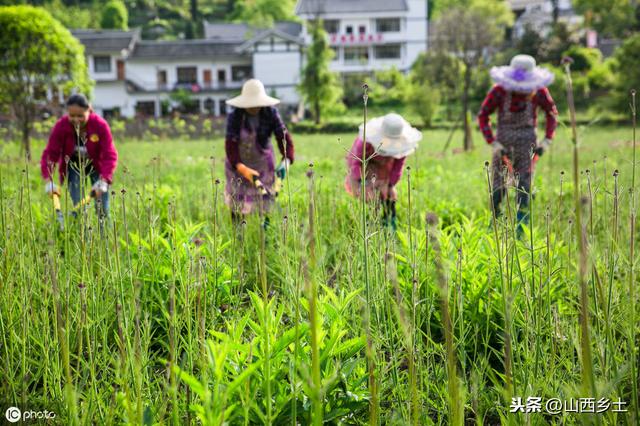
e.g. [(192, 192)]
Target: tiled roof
[(349, 6)]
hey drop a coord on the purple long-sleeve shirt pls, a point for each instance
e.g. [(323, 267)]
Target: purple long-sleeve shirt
[(384, 168), (269, 122)]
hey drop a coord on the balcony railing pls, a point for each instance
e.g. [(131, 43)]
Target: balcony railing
[(154, 86)]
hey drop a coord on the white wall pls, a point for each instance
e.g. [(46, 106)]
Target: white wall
[(102, 76), (144, 72), (416, 34), (279, 70), (412, 37), (112, 94)]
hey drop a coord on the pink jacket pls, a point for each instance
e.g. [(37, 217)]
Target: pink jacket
[(385, 168), (61, 145)]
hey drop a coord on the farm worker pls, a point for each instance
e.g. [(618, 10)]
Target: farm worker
[(81, 145), (520, 89), (389, 140), (250, 167)]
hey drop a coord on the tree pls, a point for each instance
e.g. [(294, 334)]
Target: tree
[(560, 40), (37, 53), (263, 13), (114, 16), (627, 71), (389, 87), (319, 85), (613, 18), (442, 70), (530, 43), (468, 30), (423, 99)]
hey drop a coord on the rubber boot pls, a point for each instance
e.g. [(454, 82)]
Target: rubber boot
[(522, 218)]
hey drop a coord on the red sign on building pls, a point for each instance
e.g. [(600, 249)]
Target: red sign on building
[(352, 39)]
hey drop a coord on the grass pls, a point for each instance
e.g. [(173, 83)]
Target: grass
[(176, 316)]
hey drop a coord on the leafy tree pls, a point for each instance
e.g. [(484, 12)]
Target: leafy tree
[(37, 53), (530, 43), (389, 87), (263, 13), (467, 29), (319, 85), (559, 41), (442, 70), (73, 16), (114, 16), (423, 99), (616, 18), (584, 58), (627, 71)]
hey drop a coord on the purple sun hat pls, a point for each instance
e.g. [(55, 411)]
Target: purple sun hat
[(522, 75)]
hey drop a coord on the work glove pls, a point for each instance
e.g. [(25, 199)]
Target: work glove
[(50, 188), (100, 186), (498, 148), (281, 170), (542, 146), (247, 172)]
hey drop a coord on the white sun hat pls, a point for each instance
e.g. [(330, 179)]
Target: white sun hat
[(522, 75), (392, 136), (253, 95)]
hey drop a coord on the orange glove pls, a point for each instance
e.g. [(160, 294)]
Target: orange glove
[(247, 172)]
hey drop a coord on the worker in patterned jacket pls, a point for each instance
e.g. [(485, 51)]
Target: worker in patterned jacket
[(520, 89)]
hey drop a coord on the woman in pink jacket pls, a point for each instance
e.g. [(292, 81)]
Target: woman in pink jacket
[(81, 145), (390, 139)]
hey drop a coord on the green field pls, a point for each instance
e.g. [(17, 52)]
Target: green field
[(173, 316)]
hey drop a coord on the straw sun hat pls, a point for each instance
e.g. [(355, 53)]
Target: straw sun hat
[(392, 136), (253, 95), (522, 75)]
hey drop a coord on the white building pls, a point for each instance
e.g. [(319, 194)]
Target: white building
[(136, 76), (370, 35), (538, 15), (106, 54)]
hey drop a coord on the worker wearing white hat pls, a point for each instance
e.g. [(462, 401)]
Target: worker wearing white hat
[(250, 166)]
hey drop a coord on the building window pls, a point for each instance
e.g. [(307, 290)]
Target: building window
[(222, 103), (362, 29), (146, 108), (387, 51), (210, 106), (102, 63), (349, 29), (222, 77), (332, 26), (336, 53), (162, 79), (356, 55), (388, 25), (187, 75), (111, 113), (241, 72)]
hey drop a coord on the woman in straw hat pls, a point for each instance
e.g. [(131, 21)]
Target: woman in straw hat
[(389, 140), (520, 89), (249, 167)]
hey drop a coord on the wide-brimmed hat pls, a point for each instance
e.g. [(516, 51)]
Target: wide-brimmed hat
[(522, 75), (253, 95), (392, 136)]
